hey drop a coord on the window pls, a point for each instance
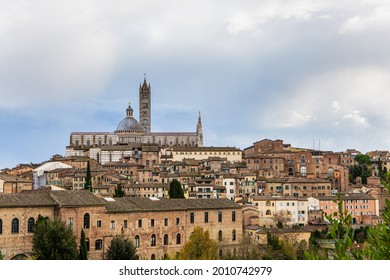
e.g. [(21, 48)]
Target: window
[(178, 238), (98, 223), (234, 235), (70, 222), (136, 241), (125, 224), (177, 221), (192, 217), (139, 223), (15, 226), (220, 216), (30, 225), (268, 212), (151, 223), (99, 244), (87, 218), (1, 226), (153, 240), (87, 241), (233, 216), (166, 239), (206, 217), (303, 171), (220, 235), (112, 224), (166, 222)]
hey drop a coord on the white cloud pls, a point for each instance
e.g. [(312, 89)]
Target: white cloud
[(357, 119), (295, 119), (369, 20)]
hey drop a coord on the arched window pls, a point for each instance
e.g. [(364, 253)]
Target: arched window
[(234, 235), (30, 225), (290, 172), (1, 226), (303, 171), (153, 240), (268, 203), (220, 235), (15, 226), (330, 172), (166, 239), (99, 244), (87, 219), (178, 238), (303, 160), (153, 257), (268, 212), (137, 241)]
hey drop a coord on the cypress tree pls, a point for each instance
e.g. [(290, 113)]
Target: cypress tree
[(83, 247), (88, 178)]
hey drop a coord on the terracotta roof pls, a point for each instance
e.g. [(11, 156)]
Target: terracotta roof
[(181, 148), (9, 178), (29, 199), (76, 198), (139, 204)]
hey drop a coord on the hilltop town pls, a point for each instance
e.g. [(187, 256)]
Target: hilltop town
[(118, 183)]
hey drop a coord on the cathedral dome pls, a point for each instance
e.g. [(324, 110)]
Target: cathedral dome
[(129, 124)]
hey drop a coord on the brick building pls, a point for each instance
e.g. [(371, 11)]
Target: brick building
[(158, 226)]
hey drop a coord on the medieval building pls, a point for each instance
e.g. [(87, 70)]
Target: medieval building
[(130, 135)]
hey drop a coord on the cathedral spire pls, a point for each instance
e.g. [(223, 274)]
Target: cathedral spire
[(199, 131)]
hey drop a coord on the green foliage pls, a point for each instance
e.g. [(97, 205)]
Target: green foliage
[(377, 238), (175, 189), (199, 247), (121, 249), (83, 247), (1, 255), (119, 192), (53, 240), (248, 249), (363, 169), (88, 178), (279, 249), (363, 159)]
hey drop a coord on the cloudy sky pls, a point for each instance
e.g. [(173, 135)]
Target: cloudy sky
[(301, 71)]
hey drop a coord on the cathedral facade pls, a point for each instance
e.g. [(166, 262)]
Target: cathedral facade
[(130, 135)]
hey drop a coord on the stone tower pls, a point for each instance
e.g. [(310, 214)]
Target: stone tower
[(144, 106), (199, 131)]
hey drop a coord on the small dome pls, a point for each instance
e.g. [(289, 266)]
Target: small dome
[(129, 124)]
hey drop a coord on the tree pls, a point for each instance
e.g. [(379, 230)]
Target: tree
[(282, 218), (279, 249), (53, 240), (1, 255), (363, 168), (88, 178), (83, 247), (377, 245), (119, 192), (248, 249), (175, 189), (199, 246), (121, 249)]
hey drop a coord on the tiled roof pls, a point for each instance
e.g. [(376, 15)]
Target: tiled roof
[(203, 149), (268, 197), (138, 204), (30, 199), (9, 178), (76, 198)]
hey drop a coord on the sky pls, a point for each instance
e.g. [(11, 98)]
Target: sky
[(313, 73)]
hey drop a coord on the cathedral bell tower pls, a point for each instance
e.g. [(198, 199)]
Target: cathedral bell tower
[(144, 106)]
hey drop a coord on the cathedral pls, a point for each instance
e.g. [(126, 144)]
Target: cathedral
[(130, 135)]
